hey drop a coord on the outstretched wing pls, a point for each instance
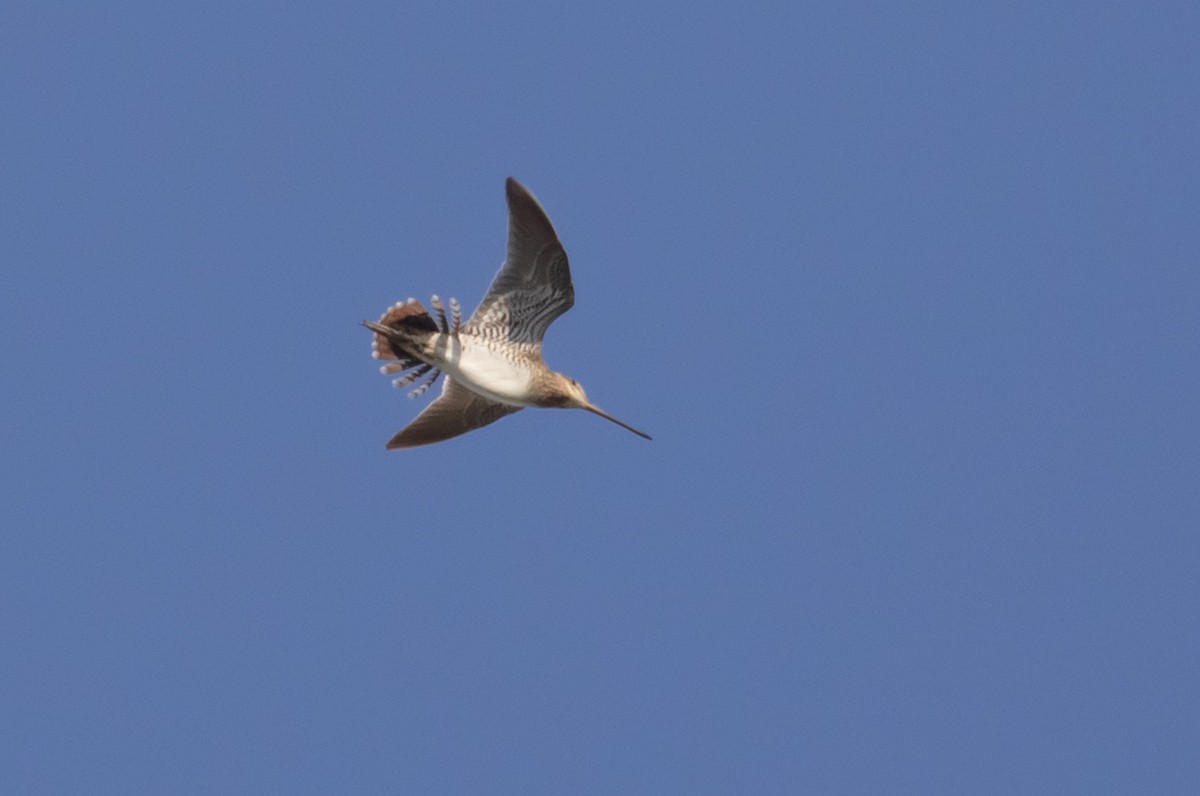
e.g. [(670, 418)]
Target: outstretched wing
[(456, 411), (534, 284)]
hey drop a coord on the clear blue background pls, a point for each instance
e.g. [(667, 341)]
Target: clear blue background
[(907, 295)]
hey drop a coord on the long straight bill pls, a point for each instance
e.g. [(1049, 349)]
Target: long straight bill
[(598, 411)]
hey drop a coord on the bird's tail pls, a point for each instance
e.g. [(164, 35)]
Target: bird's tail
[(402, 319), (403, 327)]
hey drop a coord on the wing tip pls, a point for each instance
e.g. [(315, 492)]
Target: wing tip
[(403, 440), (515, 191)]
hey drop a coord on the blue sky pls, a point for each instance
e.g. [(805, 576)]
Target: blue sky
[(906, 293)]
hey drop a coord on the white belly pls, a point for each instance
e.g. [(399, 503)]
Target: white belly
[(486, 372)]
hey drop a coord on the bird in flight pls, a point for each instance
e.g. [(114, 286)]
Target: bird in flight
[(493, 362)]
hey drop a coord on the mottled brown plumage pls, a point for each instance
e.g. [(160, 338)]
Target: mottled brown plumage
[(493, 362)]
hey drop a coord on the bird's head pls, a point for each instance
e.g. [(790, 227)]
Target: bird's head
[(569, 394)]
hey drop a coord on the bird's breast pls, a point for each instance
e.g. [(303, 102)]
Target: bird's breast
[(488, 368)]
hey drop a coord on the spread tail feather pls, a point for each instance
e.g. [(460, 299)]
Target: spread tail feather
[(400, 323), (408, 316)]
